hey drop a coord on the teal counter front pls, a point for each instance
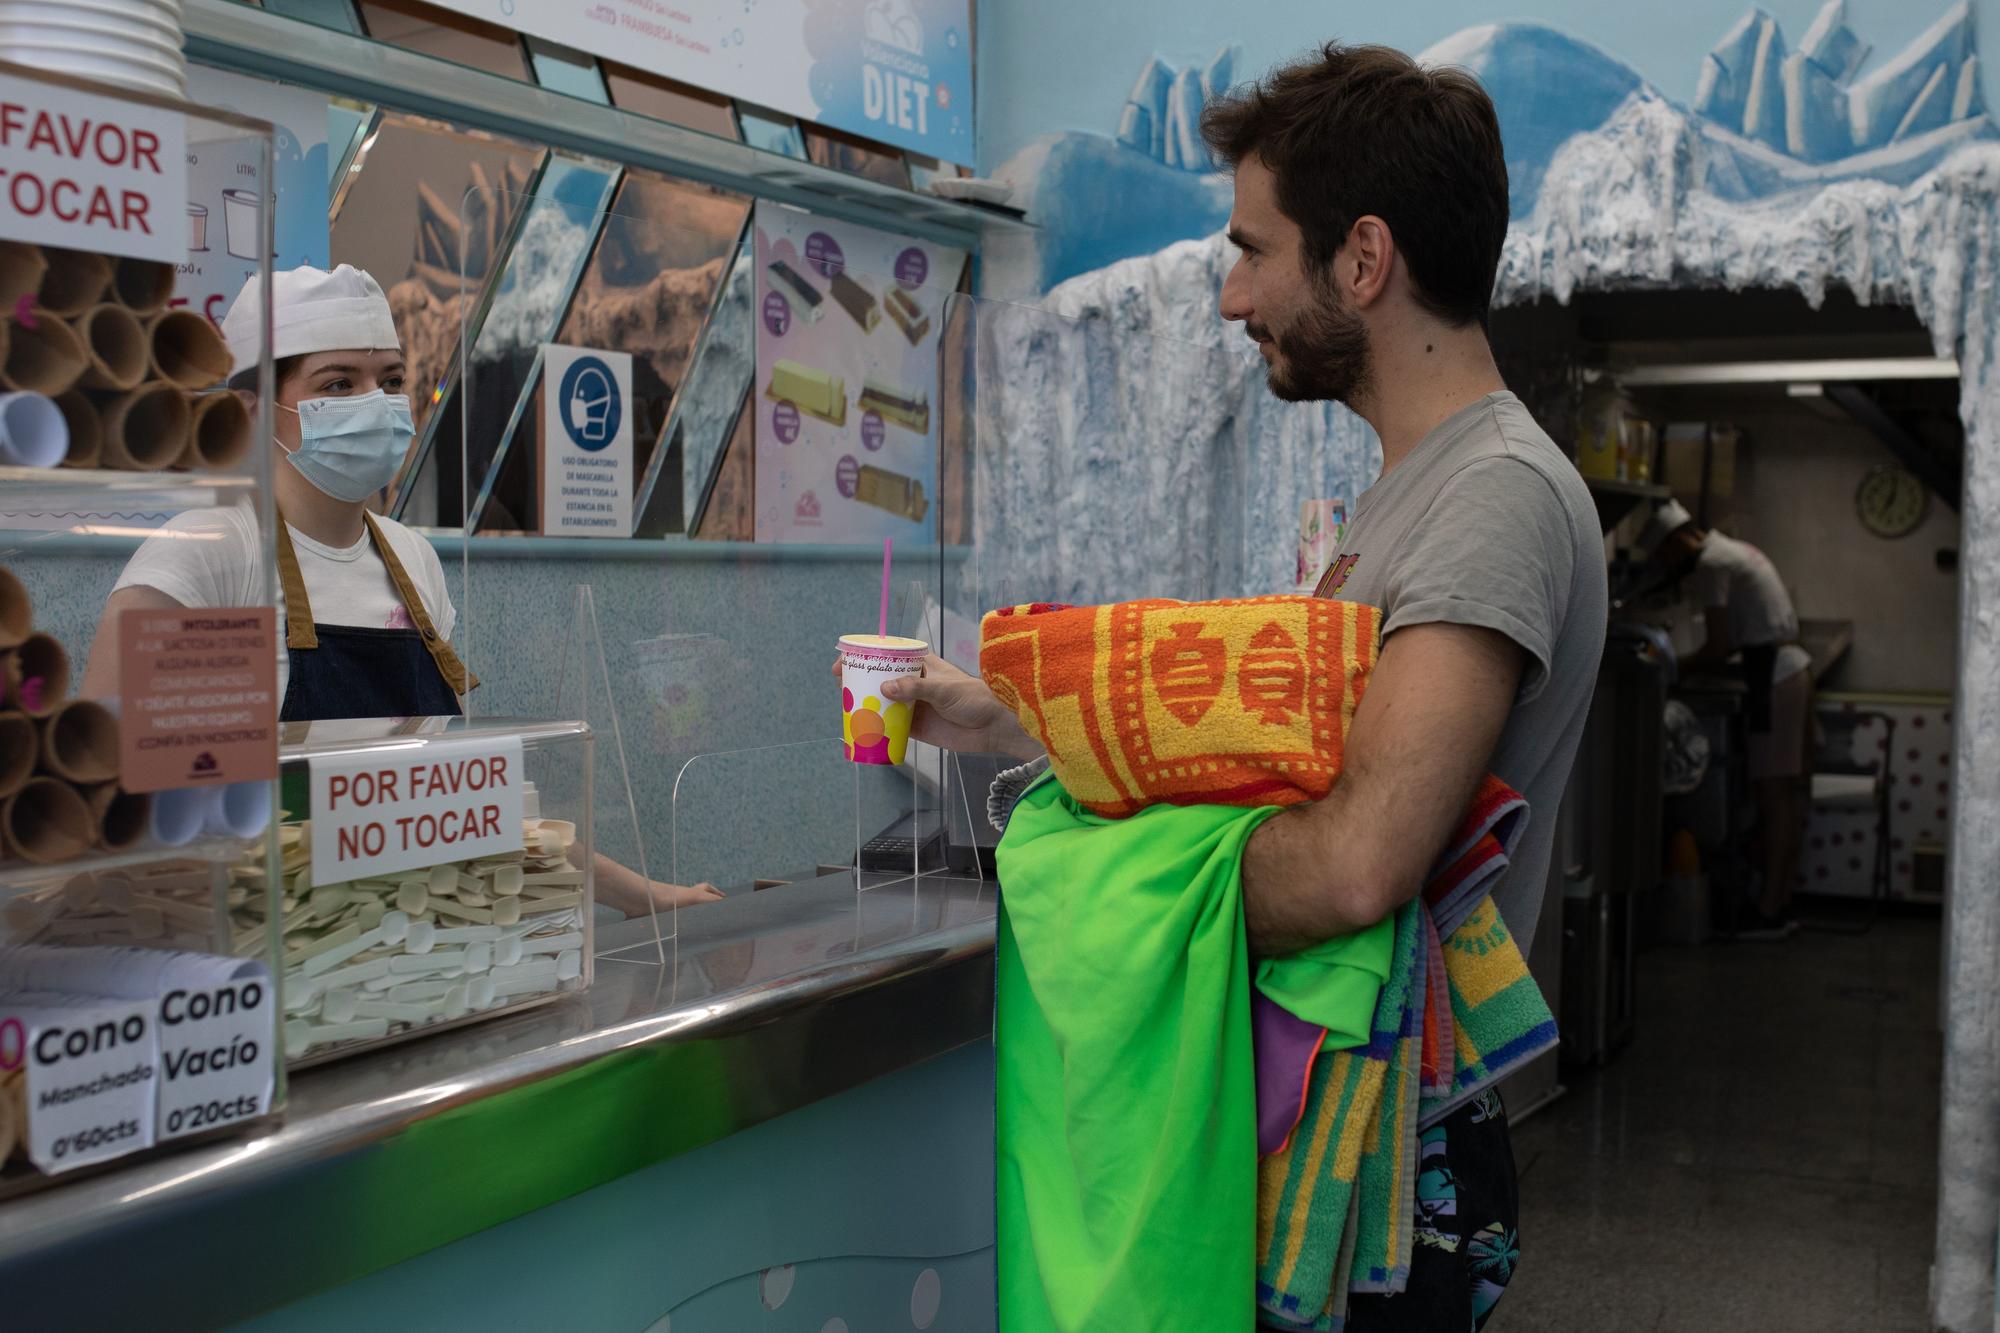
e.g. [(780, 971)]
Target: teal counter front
[(782, 1122)]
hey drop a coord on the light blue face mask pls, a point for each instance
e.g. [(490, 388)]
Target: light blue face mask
[(351, 447)]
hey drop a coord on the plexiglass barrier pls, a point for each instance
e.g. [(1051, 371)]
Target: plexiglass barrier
[(1008, 454), (716, 841)]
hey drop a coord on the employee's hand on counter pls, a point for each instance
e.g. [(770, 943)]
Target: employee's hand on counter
[(954, 711), (633, 894)]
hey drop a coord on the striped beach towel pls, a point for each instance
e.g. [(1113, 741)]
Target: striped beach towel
[(1131, 1110), (1460, 1012)]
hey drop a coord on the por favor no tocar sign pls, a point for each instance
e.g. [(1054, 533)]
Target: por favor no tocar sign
[(91, 173), (384, 811)]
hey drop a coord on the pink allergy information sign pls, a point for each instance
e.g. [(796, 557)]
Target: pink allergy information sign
[(198, 697)]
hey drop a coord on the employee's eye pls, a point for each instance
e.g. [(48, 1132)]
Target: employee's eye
[(337, 388), (392, 383)]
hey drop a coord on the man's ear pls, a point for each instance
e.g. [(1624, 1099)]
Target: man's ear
[(1371, 254)]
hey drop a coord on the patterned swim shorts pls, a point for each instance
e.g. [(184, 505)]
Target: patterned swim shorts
[(1467, 1228)]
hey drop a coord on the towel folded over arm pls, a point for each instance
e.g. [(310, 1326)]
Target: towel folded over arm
[(1141, 1074)]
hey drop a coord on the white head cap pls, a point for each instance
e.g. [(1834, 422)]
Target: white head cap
[(1668, 519), (311, 311)]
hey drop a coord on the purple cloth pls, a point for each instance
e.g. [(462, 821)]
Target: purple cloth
[(1442, 1040), (1284, 1046)]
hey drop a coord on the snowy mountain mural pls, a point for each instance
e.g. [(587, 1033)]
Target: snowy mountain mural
[(1770, 119), (1796, 168)]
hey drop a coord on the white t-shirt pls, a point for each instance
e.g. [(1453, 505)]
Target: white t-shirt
[(211, 557), (1735, 575)]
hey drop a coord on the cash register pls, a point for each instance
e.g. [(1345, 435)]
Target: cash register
[(954, 835)]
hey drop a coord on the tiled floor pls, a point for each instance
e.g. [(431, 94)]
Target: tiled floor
[(1762, 1157)]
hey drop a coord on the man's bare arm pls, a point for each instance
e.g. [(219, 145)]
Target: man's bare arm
[(1421, 742)]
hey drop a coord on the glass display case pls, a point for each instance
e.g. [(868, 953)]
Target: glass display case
[(138, 738), (150, 799), (444, 875)]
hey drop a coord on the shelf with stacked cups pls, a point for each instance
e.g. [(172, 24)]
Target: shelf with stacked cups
[(131, 43), (139, 1010)]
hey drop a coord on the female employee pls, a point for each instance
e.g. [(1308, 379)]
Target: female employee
[(368, 621)]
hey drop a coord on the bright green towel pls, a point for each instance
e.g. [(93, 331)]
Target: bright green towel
[(1125, 1112), (1333, 985)]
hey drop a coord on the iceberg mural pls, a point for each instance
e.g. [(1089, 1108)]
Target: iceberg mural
[(1933, 83), (1779, 176), (1798, 117), (1162, 117), (1099, 198), (1773, 119)]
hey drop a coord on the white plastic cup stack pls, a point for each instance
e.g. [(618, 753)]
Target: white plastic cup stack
[(134, 43), (33, 432), (239, 810)]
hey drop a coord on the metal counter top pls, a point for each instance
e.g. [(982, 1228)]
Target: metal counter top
[(763, 1003)]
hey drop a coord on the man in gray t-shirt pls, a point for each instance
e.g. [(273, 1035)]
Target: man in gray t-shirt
[(1486, 523), (1370, 211)]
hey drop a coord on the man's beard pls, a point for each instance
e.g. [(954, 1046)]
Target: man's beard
[(1323, 356)]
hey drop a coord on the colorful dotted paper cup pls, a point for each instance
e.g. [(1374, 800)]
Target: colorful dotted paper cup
[(874, 730)]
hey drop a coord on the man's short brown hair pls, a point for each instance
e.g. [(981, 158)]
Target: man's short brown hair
[(1365, 129)]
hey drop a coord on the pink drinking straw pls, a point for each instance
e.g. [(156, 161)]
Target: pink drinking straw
[(882, 621)]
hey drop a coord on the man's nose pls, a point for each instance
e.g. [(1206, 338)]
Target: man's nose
[(1236, 303)]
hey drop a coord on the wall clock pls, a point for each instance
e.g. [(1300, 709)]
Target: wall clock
[(1890, 501)]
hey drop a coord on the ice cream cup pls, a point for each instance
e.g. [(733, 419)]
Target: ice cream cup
[(127, 40), (873, 729), (116, 14)]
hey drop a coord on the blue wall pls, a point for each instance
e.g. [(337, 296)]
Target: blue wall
[(1092, 111), (1053, 65)]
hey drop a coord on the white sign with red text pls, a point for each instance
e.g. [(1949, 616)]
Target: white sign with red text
[(91, 173), (384, 811)]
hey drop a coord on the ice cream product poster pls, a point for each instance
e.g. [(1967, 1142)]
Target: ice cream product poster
[(848, 321)]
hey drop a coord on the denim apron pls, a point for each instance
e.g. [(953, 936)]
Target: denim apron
[(343, 671)]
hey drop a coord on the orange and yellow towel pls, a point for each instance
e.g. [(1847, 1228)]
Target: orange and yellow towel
[(1130, 1110), (1242, 702)]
